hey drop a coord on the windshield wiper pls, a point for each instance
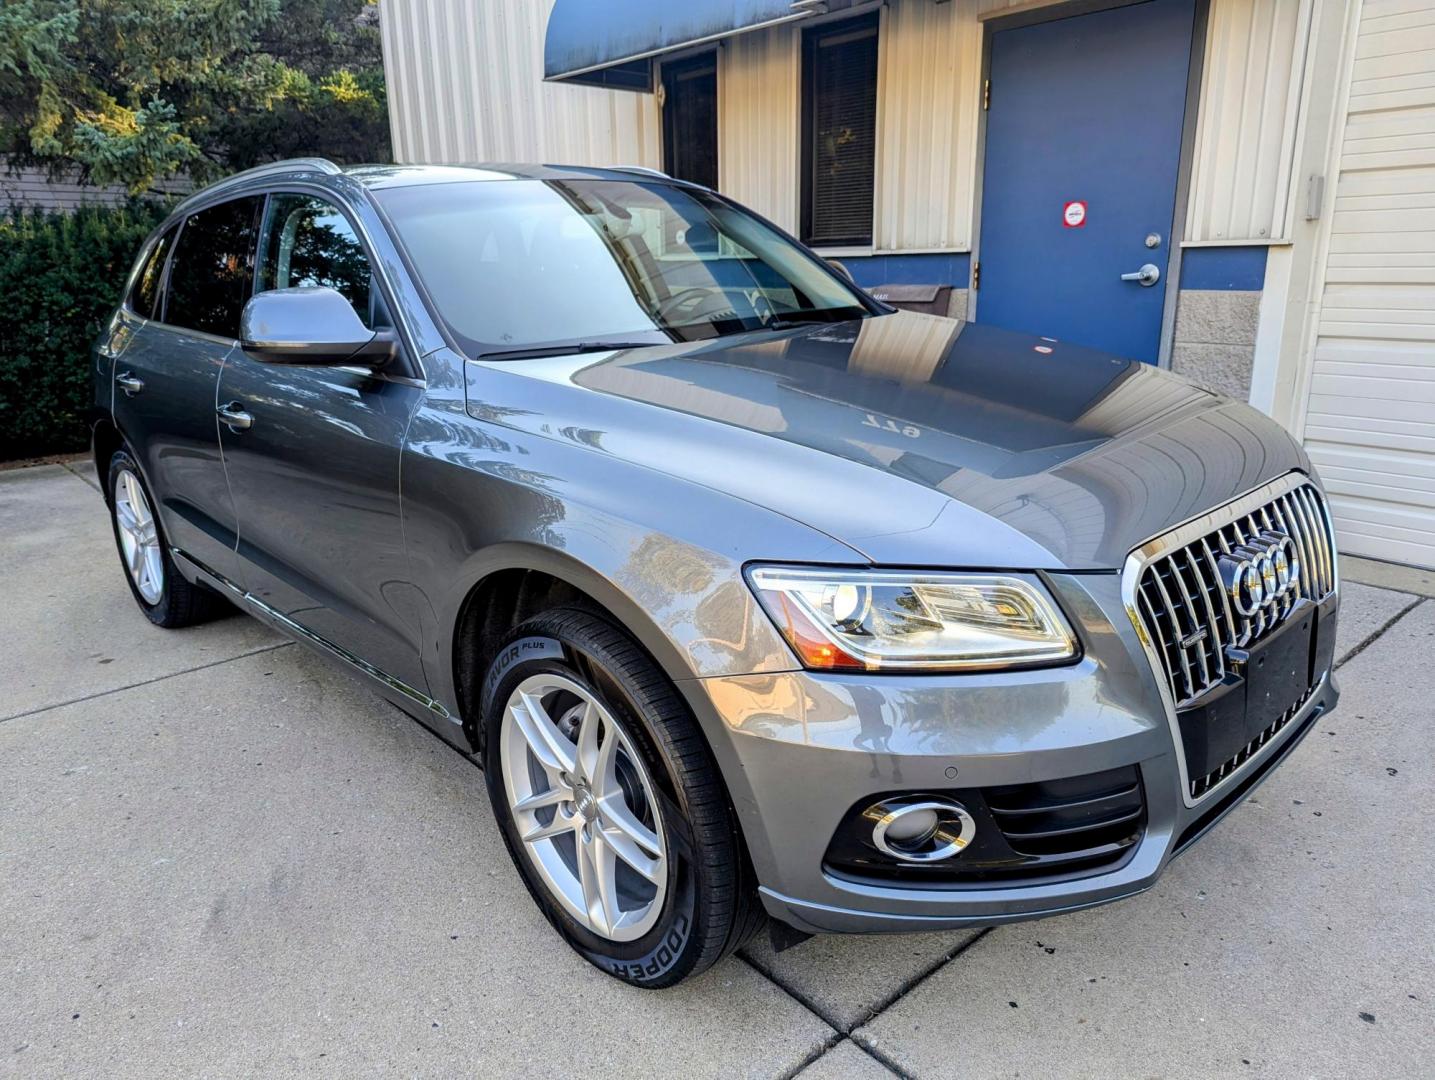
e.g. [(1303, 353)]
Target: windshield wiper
[(786, 320), (566, 350)]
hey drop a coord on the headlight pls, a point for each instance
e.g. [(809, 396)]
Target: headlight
[(854, 620)]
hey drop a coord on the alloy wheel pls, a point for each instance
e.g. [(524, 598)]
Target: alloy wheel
[(584, 807), (139, 537)]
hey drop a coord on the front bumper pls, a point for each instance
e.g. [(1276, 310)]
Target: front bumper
[(798, 749)]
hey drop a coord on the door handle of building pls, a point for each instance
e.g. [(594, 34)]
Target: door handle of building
[(1148, 275), (234, 417), (129, 384)]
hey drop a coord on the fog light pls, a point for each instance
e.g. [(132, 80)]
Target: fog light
[(919, 829)]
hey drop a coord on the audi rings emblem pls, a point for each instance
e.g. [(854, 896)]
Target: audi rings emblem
[(1259, 572)]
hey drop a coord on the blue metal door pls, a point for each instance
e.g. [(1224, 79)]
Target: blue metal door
[(1083, 146)]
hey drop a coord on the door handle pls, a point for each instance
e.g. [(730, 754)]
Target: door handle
[(128, 383), (1148, 275), (234, 417)]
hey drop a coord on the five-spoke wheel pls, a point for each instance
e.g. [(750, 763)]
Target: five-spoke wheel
[(163, 594), (139, 537), (584, 806), (610, 802)]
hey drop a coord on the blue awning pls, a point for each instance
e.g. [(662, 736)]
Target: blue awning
[(612, 43)]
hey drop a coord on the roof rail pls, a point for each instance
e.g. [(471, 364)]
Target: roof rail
[(640, 169), (312, 164)]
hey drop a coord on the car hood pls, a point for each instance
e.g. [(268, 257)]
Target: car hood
[(918, 440)]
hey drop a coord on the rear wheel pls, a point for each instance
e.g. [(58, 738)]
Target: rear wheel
[(610, 803), (167, 599)]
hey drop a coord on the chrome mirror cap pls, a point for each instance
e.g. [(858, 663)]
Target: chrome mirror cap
[(310, 325)]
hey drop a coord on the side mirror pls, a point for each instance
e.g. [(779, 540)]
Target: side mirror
[(310, 325), (841, 268)]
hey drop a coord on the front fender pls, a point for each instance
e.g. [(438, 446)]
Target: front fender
[(662, 556)]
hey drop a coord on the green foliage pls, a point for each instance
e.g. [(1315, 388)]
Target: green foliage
[(60, 276), (133, 91)]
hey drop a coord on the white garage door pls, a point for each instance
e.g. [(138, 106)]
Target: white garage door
[(1370, 422)]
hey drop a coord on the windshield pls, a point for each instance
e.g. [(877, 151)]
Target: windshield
[(521, 265)]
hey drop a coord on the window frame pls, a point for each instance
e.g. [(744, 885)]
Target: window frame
[(163, 317), (404, 369), (407, 367), (343, 211), (868, 24), (170, 229)]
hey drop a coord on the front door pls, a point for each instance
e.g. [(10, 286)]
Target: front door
[(315, 473), (1083, 148)]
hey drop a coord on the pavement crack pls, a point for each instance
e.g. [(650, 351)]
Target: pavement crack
[(1378, 634), (880, 1058), (916, 980), (143, 682), (812, 1055), (843, 1028), (792, 992)]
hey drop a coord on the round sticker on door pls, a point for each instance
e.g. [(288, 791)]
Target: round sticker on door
[(1073, 214)]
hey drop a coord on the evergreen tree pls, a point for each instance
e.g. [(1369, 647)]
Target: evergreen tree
[(133, 91)]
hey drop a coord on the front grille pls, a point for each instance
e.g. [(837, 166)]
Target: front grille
[(1198, 638), (1186, 611)]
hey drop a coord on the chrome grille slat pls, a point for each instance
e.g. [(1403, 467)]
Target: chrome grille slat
[(1226, 609), (1196, 623), (1307, 551), (1188, 564), (1322, 548), (1314, 570), (1218, 652), (1177, 635)]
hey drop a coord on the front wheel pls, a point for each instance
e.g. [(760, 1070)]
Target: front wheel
[(610, 803), (166, 599)]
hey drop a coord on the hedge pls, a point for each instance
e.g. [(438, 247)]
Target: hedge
[(60, 278)]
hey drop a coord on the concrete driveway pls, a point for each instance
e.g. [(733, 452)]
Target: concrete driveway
[(219, 855)]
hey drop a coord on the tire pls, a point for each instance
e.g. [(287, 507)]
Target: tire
[(666, 779), (166, 598)]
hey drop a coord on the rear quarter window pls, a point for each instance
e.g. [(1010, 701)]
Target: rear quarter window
[(145, 295)]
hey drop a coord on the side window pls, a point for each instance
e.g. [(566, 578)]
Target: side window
[(213, 262), (308, 241), (146, 290)]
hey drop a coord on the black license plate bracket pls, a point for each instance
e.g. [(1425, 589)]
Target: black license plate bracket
[(1275, 675)]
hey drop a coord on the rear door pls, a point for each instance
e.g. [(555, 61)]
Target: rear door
[(166, 379), (315, 475)]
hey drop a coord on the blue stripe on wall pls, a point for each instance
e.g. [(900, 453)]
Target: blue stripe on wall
[(932, 269), (1224, 268)]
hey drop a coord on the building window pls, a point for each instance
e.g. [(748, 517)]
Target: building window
[(690, 143), (839, 131)]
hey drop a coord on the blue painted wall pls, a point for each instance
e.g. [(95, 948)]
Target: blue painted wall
[(936, 269), (1224, 269), (1227, 269)]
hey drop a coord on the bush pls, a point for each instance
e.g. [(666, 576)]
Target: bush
[(60, 278)]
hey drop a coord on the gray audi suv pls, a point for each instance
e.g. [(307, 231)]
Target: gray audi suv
[(755, 598)]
